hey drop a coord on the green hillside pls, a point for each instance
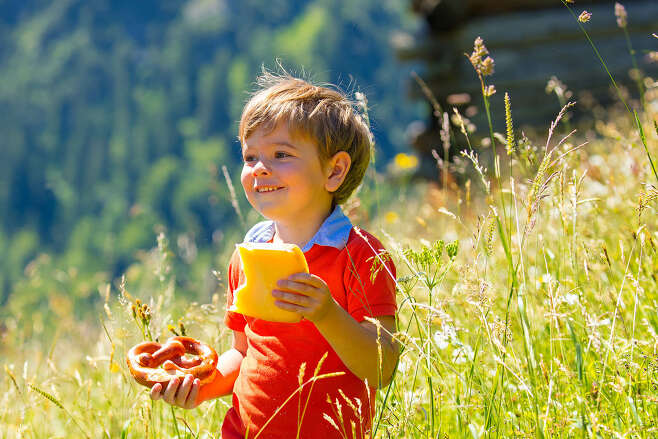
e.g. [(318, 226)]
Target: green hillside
[(118, 116)]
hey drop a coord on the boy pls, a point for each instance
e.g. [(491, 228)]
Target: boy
[(305, 150)]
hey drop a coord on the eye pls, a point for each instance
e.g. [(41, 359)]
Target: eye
[(248, 158), (281, 155)]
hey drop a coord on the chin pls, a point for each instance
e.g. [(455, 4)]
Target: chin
[(271, 212)]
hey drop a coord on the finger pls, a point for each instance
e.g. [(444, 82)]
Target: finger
[(308, 278), (297, 299), (184, 390), (155, 391), (194, 393), (297, 287), (291, 307), (170, 392)]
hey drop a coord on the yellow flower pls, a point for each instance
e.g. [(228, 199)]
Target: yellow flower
[(406, 161), (391, 217)]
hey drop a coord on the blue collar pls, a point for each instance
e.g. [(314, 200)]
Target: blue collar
[(334, 232)]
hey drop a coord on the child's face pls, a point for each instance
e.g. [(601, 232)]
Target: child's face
[(283, 177)]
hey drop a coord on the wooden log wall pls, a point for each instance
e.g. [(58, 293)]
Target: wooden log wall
[(530, 42)]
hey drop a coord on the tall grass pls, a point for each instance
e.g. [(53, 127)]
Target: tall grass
[(527, 307)]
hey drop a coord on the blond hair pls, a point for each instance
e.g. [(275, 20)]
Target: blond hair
[(319, 113)]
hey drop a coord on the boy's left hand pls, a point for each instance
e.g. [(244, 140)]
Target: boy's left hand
[(305, 294)]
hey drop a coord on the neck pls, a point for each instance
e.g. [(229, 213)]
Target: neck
[(300, 233)]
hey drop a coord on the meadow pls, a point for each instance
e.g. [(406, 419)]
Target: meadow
[(527, 297)]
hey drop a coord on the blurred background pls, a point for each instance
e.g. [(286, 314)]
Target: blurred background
[(119, 115)]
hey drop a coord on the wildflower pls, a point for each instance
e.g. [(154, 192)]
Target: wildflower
[(405, 161), (584, 16), (622, 16), (441, 340), (452, 249), (483, 64), (652, 56), (391, 217), (444, 337)]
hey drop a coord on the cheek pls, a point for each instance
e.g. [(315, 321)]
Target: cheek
[(247, 181), (246, 178)]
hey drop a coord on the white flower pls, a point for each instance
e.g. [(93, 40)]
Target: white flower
[(445, 336), (441, 340)]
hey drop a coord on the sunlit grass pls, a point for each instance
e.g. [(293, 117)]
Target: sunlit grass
[(570, 351)]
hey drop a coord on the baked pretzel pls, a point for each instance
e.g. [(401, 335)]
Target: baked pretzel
[(144, 361)]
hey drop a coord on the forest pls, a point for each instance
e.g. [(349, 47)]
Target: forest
[(120, 116)]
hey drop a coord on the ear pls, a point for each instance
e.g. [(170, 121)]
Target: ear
[(337, 168)]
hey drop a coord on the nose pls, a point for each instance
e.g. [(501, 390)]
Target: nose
[(260, 168)]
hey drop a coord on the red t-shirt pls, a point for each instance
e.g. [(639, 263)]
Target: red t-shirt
[(270, 370)]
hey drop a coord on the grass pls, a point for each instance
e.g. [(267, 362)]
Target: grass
[(527, 305)]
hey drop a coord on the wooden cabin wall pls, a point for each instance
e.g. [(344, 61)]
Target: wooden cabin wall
[(530, 42)]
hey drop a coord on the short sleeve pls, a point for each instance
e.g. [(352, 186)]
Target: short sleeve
[(233, 320), (369, 279)]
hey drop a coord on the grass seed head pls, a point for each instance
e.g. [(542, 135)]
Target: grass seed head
[(647, 196), (510, 143), (457, 120), (330, 421), (483, 64), (584, 16), (489, 90), (302, 372)]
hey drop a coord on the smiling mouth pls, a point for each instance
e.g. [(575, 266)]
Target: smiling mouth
[(261, 190)]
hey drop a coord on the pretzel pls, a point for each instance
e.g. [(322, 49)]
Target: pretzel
[(144, 361)]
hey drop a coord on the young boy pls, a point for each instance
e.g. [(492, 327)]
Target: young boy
[(305, 150)]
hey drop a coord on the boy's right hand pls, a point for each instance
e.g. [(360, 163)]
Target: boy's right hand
[(181, 394)]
